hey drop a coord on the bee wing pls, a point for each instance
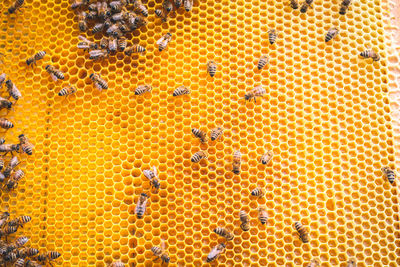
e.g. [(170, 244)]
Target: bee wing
[(155, 171), (98, 86), (147, 174), (83, 39), (54, 77), (160, 41), (83, 45), (162, 244), (95, 53)]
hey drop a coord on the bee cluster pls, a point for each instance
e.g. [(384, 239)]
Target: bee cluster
[(167, 7), (8, 174), (16, 252), (115, 19)]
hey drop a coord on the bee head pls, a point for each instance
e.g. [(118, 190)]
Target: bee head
[(144, 195), (91, 75), (8, 82), (47, 67)]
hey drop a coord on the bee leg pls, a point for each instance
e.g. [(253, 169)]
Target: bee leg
[(157, 257)]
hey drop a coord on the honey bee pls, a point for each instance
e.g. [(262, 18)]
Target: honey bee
[(98, 54), (200, 134), (9, 257), (181, 90), (4, 218), (6, 124), (91, 14), (116, 264), (272, 36), (119, 16), (3, 77), (306, 5), (139, 22), (38, 56), (344, 6), (262, 62), (211, 67), (54, 73), (20, 262), (237, 157), (216, 252), (351, 263), (153, 177), (12, 90), (164, 41), (100, 83), (122, 43), (82, 23), (85, 44), (9, 148), (98, 27), (314, 263), (138, 5), (224, 233), (188, 5), (8, 230), (332, 32), (117, 6), (68, 90), (370, 53), (5, 103), (134, 49), (12, 183), (178, 3), (114, 30), (19, 242), (14, 162), (112, 44), (216, 133), (161, 253), (389, 174), (199, 156), (262, 214), (26, 145), (267, 157), (79, 3), (27, 252), (161, 13), (20, 221), (103, 11), (2, 141), (294, 4), (258, 192), (15, 6), (103, 42), (49, 256), (302, 232), (141, 89), (167, 5), (258, 91), (141, 205), (245, 221)]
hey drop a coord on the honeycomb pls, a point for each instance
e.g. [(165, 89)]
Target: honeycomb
[(326, 117)]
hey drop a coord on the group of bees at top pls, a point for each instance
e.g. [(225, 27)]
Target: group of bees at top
[(16, 252), (116, 20)]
